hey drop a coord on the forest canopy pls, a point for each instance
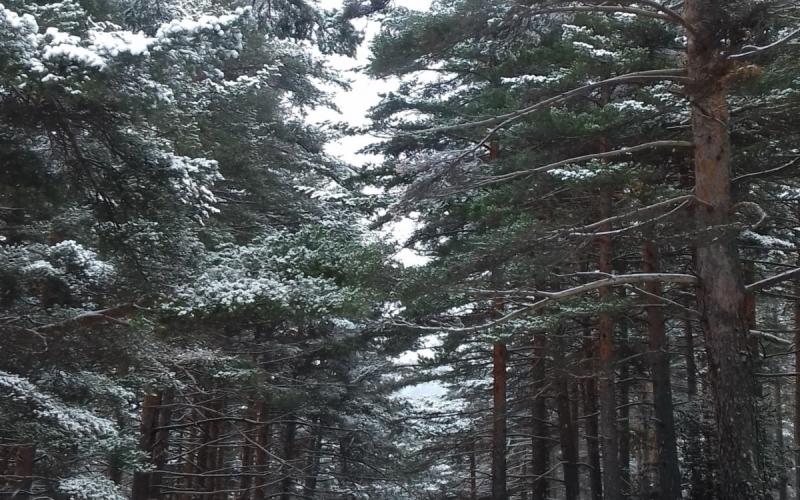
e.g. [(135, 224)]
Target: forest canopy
[(200, 298)]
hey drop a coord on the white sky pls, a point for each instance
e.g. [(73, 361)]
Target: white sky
[(354, 105), (365, 92)]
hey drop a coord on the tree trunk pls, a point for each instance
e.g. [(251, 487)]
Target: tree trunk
[(606, 358), (721, 290), (624, 408), (669, 474), (142, 480), (499, 418), (161, 442), (473, 472), (261, 460), (23, 468), (190, 459), (783, 478), (289, 436), (566, 420), (310, 486), (694, 451), (592, 422), (539, 424), (797, 378), (247, 453)]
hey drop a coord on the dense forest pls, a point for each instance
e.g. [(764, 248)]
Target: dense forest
[(201, 299)]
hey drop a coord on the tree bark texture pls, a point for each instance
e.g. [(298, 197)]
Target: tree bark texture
[(721, 293)]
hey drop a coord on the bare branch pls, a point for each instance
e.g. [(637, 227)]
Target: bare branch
[(771, 338), (778, 278), (754, 50), (638, 224), (767, 172), (549, 297), (115, 314)]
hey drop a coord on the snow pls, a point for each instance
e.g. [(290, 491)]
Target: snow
[(113, 44), (552, 77), (207, 23), (23, 23), (90, 486), (72, 421), (601, 53), (768, 241), (632, 105)]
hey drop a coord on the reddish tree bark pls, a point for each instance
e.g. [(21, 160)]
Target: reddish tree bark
[(499, 419)]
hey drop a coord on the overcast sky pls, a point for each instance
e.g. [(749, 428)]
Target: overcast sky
[(365, 91)]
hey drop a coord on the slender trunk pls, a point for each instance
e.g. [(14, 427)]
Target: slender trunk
[(289, 436), (310, 486), (23, 468), (473, 480), (566, 420), (191, 458), (161, 442), (499, 417), (142, 480), (246, 481), (797, 386), (592, 423), (539, 422), (783, 478), (694, 452), (220, 483), (669, 474), (624, 410), (261, 461), (607, 394), (647, 457), (7, 454)]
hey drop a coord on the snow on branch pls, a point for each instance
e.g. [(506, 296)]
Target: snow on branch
[(500, 121), (580, 159), (660, 12)]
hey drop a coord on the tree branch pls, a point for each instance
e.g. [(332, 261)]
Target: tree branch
[(754, 50), (677, 74), (778, 278), (91, 318), (580, 159), (626, 279)]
